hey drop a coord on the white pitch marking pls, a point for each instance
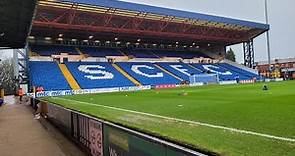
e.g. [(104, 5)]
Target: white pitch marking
[(189, 122)]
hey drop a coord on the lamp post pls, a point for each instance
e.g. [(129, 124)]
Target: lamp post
[(267, 34)]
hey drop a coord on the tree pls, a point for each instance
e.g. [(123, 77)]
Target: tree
[(7, 81), (230, 55)]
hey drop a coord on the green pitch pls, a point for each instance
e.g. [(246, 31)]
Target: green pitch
[(204, 117)]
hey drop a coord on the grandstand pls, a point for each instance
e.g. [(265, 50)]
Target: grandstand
[(96, 75), (167, 67), (118, 52), (80, 47)]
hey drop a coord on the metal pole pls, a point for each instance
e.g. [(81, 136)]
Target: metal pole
[(2, 93), (267, 34)]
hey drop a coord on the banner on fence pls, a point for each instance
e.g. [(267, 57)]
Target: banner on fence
[(105, 139), (165, 86), (227, 82), (95, 133), (120, 143), (247, 81), (88, 91), (134, 88), (54, 93)]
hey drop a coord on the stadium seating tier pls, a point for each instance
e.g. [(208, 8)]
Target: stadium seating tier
[(97, 75), (47, 50), (47, 75), (181, 70), (104, 75), (147, 73), (100, 52), (122, 74)]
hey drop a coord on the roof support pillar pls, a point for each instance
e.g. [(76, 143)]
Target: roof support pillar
[(249, 53), (21, 66)]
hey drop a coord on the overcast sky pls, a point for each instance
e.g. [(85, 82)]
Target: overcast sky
[(4, 54), (281, 14)]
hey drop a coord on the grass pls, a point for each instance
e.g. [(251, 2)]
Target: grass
[(244, 107)]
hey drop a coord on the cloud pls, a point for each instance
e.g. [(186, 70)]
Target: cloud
[(281, 15), (6, 54)]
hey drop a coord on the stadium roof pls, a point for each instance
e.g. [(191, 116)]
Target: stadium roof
[(15, 22), (168, 12), (109, 19)]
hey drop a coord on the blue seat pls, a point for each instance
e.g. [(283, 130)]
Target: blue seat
[(224, 74), (48, 50), (104, 75), (181, 70), (147, 73), (244, 75), (180, 54), (100, 52), (48, 75), (97, 75), (140, 53)]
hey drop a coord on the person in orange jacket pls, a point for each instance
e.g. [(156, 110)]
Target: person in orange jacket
[(20, 94)]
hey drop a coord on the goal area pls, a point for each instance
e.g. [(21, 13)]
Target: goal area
[(204, 78)]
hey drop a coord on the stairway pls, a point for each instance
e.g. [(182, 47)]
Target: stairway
[(122, 52), (83, 56), (137, 83), (152, 53), (69, 77)]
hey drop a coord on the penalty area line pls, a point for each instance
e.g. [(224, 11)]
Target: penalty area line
[(188, 121)]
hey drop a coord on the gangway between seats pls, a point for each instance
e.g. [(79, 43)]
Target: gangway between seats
[(81, 53), (133, 80), (69, 77), (168, 72)]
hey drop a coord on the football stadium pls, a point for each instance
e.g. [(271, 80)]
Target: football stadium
[(125, 79)]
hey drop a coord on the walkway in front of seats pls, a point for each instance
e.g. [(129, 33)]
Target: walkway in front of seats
[(21, 135)]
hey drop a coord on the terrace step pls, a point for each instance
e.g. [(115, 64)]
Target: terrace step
[(69, 77)]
